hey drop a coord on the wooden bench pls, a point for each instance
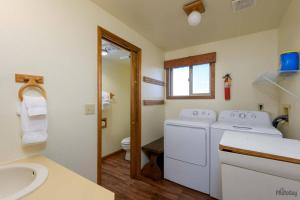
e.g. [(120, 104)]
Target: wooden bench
[(155, 167)]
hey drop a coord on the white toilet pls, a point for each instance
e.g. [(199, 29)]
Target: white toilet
[(125, 143)]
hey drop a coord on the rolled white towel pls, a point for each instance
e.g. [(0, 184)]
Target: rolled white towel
[(105, 99)]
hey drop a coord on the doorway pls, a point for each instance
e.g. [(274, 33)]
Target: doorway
[(135, 101)]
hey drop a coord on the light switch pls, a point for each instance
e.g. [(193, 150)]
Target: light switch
[(89, 109)]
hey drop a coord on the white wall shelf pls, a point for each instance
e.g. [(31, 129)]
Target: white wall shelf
[(274, 78)]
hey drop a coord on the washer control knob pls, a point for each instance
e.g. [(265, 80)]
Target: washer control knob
[(242, 115), (253, 116), (195, 113)]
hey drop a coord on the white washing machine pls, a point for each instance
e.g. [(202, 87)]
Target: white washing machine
[(186, 149), (240, 121)]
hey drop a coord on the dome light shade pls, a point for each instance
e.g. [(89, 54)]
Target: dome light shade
[(194, 18), (104, 52)]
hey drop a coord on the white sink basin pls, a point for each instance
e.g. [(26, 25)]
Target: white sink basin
[(18, 180)]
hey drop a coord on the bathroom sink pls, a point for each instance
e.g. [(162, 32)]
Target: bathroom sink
[(18, 180)]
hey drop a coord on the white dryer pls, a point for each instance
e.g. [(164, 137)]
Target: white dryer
[(186, 148), (240, 121)]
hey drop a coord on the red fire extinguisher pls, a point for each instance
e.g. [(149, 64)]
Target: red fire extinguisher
[(227, 84)]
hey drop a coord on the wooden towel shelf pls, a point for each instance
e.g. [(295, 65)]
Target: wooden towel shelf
[(153, 102), (147, 79)]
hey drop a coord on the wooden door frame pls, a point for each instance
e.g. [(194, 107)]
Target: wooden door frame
[(135, 102)]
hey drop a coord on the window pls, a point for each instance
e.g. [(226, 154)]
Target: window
[(201, 79), (191, 77), (180, 80)]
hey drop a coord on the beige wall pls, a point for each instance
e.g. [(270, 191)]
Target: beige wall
[(289, 39), (58, 39), (245, 58), (116, 79)]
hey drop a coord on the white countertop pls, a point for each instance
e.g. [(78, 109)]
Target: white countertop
[(262, 143), (63, 183)]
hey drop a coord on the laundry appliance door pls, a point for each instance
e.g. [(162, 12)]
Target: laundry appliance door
[(187, 144)]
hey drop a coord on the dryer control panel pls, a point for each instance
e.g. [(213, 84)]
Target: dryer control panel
[(255, 118), (198, 115)]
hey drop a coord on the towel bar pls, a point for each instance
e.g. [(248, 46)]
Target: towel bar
[(31, 81)]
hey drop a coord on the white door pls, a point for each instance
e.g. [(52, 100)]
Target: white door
[(187, 144)]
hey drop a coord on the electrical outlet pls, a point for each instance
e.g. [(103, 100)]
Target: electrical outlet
[(286, 110), (89, 109), (260, 107)]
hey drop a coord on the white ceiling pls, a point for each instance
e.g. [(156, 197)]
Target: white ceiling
[(164, 23), (115, 53)]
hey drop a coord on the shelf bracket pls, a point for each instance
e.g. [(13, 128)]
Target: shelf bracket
[(282, 88)]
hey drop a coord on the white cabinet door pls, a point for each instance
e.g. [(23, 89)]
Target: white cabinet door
[(244, 184)]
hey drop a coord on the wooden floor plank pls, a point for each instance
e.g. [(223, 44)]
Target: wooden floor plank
[(115, 177)]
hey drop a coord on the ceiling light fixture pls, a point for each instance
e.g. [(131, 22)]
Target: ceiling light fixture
[(193, 11), (104, 52)]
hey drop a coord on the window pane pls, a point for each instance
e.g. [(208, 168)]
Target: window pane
[(201, 79), (180, 81)]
